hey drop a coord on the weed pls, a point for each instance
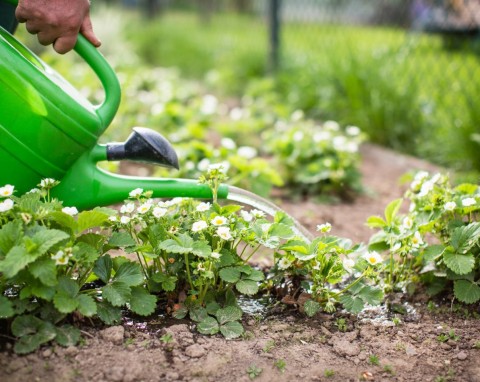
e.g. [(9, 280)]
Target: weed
[(328, 373), (388, 369), (128, 341), (373, 360), (476, 345), (269, 346), (280, 364), (167, 338), (341, 324), (254, 371)]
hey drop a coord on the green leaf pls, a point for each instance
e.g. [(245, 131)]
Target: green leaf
[(29, 343), (121, 240), (226, 259), (183, 244), (65, 303), (392, 209), (201, 249), (256, 275), (168, 282), (296, 245), (68, 286), (117, 293), (10, 235), (248, 287), (376, 222), (108, 313), (47, 238), (142, 302), (371, 295), (460, 264), (230, 298), (213, 307), (63, 219), (67, 335), (464, 238), (230, 313), (231, 330), (180, 313), (198, 313), (90, 219), (353, 304), (432, 252), (311, 307), (16, 260), (25, 324), (94, 240), (281, 230), (6, 307), (45, 270), (87, 305), (103, 268), (208, 326), (466, 291), (230, 274), (129, 273), (84, 253)]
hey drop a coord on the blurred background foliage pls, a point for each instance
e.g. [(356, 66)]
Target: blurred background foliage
[(405, 71)]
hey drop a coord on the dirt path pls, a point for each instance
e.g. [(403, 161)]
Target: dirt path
[(428, 344)]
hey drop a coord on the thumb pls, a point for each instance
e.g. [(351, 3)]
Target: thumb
[(87, 31)]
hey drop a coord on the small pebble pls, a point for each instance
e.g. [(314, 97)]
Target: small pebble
[(462, 356), (47, 353)]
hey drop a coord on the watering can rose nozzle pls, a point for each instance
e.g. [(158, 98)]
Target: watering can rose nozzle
[(144, 145)]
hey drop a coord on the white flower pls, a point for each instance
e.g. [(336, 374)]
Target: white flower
[(209, 105), (397, 246), (127, 208), (416, 184), (204, 206), (220, 167), (200, 267), (199, 226), (421, 175), (61, 258), (467, 202), (228, 143), (219, 220), (6, 190), (449, 206), (247, 152), (257, 213), (6, 205), (33, 191), (175, 201), (284, 263), (324, 228), (72, 211), (125, 220), (417, 240), (246, 216), (158, 212), (297, 115), (373, 258), (348, 265), (331, 125), (322, 136), (298, 136), (224, 233), (426, 188), (236, 114), (136, 193), (407, 222), (339, 143), (203, 164), (47, 182), (144, 208), (216, 255), (352, 130), (112, 218)]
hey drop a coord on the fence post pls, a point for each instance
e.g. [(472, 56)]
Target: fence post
[(274, 35)]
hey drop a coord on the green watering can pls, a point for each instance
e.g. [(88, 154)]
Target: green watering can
[(49, 130)]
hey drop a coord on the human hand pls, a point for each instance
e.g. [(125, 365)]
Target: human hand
[(57, 22)]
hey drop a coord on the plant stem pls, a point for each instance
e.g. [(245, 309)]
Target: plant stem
[(187, 264), (351, 285), (251, 254)]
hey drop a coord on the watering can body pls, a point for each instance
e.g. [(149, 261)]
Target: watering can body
[(45, 124), (49, 130)]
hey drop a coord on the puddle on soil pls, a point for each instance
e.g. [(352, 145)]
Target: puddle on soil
[(382, 315)]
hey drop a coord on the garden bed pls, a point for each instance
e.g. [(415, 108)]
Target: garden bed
[(429, 342)]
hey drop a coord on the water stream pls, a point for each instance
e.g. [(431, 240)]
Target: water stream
[(249, 198)]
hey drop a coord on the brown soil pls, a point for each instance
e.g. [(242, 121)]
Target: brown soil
[(371, 347)]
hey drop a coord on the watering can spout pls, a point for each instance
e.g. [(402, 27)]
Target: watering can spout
[(87, 186)]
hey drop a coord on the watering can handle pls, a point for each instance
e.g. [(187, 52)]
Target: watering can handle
[(108, 108)]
